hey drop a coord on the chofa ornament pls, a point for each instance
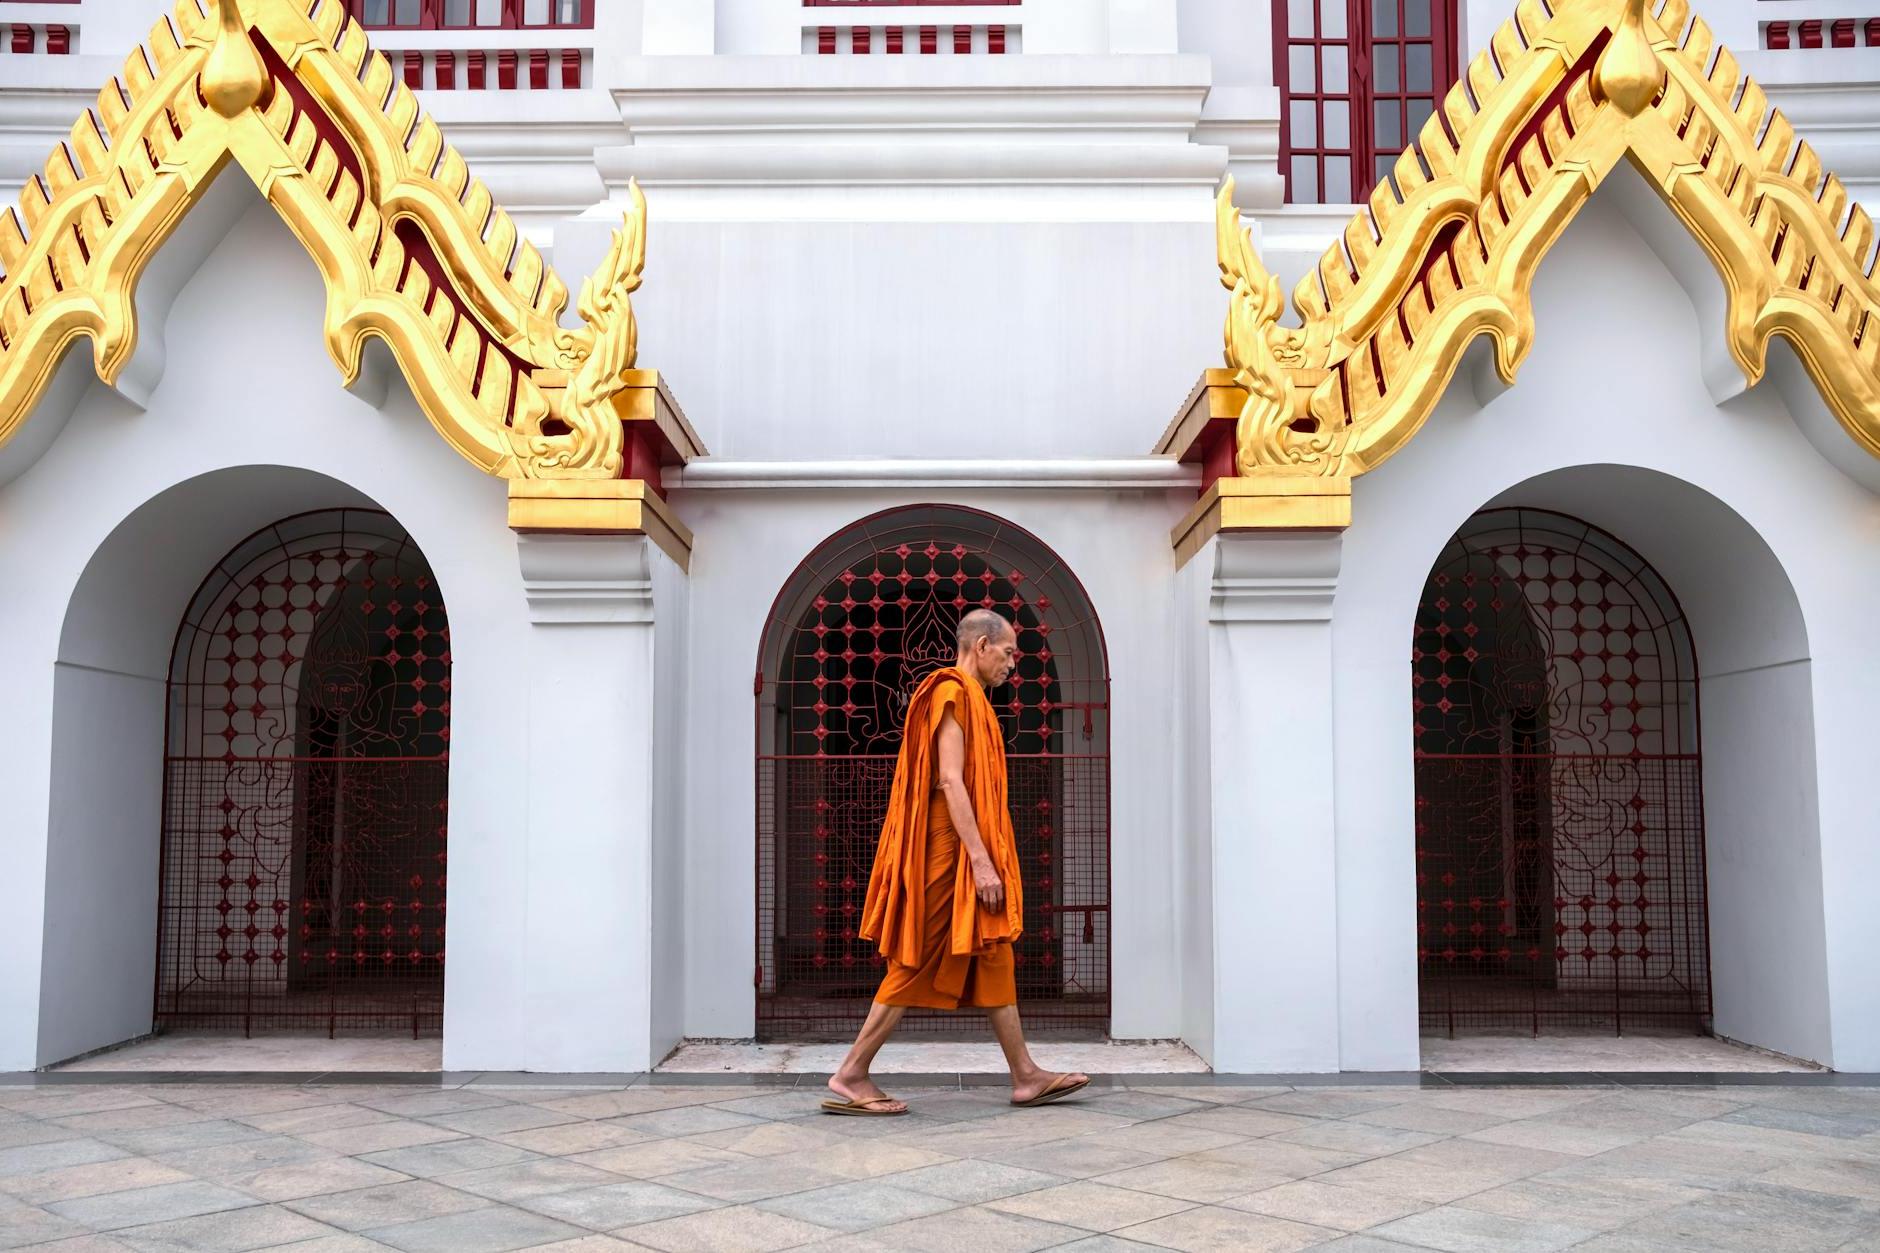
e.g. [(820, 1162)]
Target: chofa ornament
[(412, 249), (1448, 246)]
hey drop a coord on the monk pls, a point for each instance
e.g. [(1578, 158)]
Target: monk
[(944, 900)]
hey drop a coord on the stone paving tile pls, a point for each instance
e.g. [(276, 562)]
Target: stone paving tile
[(755, 1180), (769, 1139), (525, 1179), (1596, 1206), (972, 1182), (660, 1157), (386, 1205), (687, 1120), (316, 1178), (481, 1231), (1447, 1170), (1457, 1230), (1077, 1158), (1760, 1217), (858, 1160), (1268, 1157), (1417, 1116), (1326, 1205), (1091, 1206), (1242, 1120), (301, 1119), (1362, 1139), (1542, 1133), (427, 1161), (245, 1156), (857, 1206), (259, 1227), (1159, 1139), (428, 1104), (1841, 1177), (112, 1210), (616, 1205), (981, 1229), (90, 1179), (203, 1134), (1845, 1126), (398, 1133), (567, 1139), (35, 1158), (495, 1119), (741, 1227), (1191, 1179), (1207, 1228), (77, 1244), (22, 1224)]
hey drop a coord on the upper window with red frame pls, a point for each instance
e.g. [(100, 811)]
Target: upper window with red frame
[(470, 14), (1356, 78)]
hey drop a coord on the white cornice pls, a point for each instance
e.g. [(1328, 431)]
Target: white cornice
[(1130, 472)]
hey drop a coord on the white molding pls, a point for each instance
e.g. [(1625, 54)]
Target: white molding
[(587, 580), (1279, 576), (1144, 472)]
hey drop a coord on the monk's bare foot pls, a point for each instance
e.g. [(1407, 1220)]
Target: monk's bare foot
[(861, 1090), (1042, 1083)]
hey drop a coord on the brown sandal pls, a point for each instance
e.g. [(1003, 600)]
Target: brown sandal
[(1060, 1087), (861, 1109)]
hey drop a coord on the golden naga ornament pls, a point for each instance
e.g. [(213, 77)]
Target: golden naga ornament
[(412, 249), (1448, 246)]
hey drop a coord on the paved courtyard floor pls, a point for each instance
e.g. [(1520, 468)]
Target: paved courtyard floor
[(469, 1164)]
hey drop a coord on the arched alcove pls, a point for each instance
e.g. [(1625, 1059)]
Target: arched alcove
[(863, 619)]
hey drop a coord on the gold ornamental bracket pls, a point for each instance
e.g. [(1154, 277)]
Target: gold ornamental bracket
[(1447, 250), (412, 249)]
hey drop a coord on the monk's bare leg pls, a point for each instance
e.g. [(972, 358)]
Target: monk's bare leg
[(851, 1081), (1028, 1078)]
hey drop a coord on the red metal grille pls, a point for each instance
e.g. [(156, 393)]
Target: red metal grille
[(306, 780), (870, 614), (1560, 830)]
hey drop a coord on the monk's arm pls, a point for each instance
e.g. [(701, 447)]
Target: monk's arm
[(950, 740)]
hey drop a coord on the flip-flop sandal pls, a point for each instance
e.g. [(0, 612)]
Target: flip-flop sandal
[(1058, 1090), (861, 1109)]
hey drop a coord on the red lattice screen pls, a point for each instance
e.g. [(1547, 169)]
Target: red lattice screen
[(870, 614), (1560, 829), (304, 826)]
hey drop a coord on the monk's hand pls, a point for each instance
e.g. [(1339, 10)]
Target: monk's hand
[(987, 885)]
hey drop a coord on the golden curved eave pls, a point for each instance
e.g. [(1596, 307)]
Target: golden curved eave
[(1447, 249), (412, 248)]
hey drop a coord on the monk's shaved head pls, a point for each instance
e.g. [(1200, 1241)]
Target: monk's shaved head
[(982, 624)]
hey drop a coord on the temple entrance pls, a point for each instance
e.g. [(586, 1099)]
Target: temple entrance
[(1560, 823), (305, 783), (868, 615)]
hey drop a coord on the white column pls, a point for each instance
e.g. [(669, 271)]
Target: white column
[(1274, 886), (589, 782)]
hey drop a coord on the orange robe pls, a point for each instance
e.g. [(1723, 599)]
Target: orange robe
[(943, 947)]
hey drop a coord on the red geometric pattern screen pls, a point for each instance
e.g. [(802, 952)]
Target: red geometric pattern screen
[(306, 775), (1357, 80), (1559, 822), (862, 621)]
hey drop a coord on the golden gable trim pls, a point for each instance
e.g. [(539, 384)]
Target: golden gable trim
[(413, 249), (1447, 249)]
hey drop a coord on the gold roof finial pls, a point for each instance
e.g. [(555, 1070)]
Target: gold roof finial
[(1629, 73), (233, 78)]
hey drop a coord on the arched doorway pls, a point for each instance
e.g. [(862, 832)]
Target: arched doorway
[(305, 786), (1560, 824), (865, 617)]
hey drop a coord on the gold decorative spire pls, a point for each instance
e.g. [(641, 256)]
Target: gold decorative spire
[(1448, 246), (233, 78), (1628, 73)]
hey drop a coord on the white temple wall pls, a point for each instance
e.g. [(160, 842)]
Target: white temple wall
[(1609, 401), (251, 400), (801, 340), (749, 542)]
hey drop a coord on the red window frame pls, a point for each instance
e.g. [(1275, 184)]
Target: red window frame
[(1380, 57), (513, 17)]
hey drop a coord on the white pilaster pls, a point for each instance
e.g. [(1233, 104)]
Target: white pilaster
[(589, 783), (1274, 891)]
